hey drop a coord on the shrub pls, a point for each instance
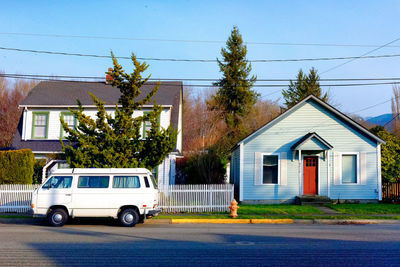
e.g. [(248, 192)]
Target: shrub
[(16, 166), (206, 168), (38, 170)]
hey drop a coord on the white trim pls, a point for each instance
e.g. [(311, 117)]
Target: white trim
[(24, 118), (333, 110), (328, 158), (47, 152), (241, 158), (357, 154), (262, 167), (300, 177), (379, 172), (84, 106), (318, 168)]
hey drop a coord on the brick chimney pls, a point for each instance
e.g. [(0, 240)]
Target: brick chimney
[(109, 78)]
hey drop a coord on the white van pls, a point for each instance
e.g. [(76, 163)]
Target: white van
[(125, 194)]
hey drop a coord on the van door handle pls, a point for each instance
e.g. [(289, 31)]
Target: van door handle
[(68, 195)]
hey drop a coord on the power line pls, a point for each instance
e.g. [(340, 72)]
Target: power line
[(50, 78), (363, 55), (197, 60), (199, 79), (185, 40)]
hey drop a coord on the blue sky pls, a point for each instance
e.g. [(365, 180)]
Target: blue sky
[(338, 22)]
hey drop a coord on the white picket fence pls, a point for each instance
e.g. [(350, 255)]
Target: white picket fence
[(195, 198), (16, 198)]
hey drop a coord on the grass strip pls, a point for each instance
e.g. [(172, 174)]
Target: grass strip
[(370, 208)]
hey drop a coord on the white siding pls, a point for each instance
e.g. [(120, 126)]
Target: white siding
[(54, 126)]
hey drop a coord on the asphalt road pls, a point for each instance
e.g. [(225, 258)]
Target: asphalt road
[(200, 245)]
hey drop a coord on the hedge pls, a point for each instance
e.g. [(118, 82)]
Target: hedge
[(16, 166)]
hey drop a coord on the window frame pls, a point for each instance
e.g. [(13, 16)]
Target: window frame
[(262, 168), (79, 177), (62, 114), (34, 114), (144, 123), (358, 177), (113, 177)]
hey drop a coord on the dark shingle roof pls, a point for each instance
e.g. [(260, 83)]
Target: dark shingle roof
[(57, 93), (63, 93)]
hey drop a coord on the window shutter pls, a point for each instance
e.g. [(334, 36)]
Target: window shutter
[(336, 164), (283, 168), (257, 170), (363, 167)]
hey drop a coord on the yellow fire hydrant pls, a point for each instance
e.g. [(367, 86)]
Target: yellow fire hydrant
[(233, 207)]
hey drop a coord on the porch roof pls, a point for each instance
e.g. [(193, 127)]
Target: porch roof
[(311, 141)]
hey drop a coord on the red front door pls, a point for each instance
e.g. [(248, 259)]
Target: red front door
[(310, 176)]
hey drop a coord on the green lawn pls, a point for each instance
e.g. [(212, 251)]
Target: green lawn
[(367, 208), (277, 209)]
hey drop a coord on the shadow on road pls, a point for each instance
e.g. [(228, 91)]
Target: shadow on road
[(215, 249)]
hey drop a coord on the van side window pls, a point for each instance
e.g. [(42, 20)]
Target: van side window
[(58, 182), (93, 181), (126, 182), (146, 181)]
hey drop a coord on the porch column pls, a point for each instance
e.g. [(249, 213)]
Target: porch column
[(300, 193)]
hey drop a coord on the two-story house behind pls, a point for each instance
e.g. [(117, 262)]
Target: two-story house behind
[(40, 129)]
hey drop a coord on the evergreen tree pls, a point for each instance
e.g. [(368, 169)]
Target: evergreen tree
[(117, 142), (234, 98), (390, 159), (304, 86)]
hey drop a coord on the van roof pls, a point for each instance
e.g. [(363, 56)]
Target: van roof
[(101, 171)]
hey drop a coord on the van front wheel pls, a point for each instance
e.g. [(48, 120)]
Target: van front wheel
[(58, 217), (128, 217)]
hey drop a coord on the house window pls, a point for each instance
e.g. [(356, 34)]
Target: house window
[(349, 168), (40, 123), (270, 169), (147, 125), (70, 120)]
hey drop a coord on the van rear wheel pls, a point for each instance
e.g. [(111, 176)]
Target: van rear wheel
[(128, 217), (58, 217)]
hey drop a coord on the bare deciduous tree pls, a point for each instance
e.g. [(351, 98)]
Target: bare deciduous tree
[(11, 94)]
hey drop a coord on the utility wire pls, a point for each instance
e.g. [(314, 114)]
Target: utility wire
[(362, 56), (197, 79), (197, 60), (184, 40), (202, 85)]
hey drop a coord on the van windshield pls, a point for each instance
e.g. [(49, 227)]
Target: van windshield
[(153, 181), (58, 182)]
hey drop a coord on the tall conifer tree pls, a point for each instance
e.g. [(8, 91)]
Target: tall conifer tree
[(303, 86), (234, 97), (117, 142)]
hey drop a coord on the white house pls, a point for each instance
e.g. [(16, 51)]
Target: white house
[(311, 149), (40, 129)]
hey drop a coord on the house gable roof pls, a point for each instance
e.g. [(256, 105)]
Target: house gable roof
[(333, 110), (312, 137)]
